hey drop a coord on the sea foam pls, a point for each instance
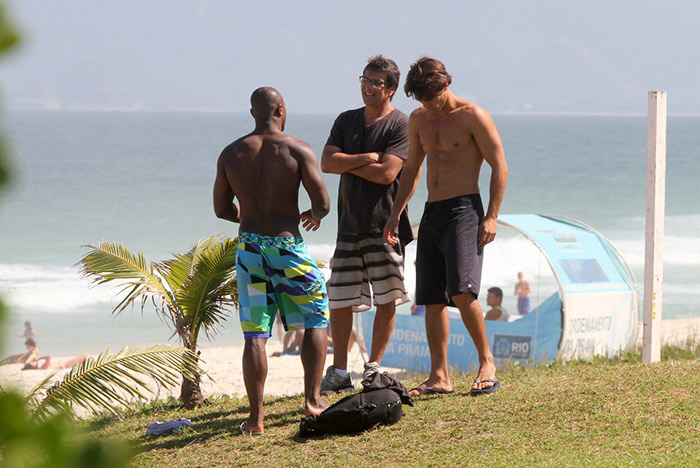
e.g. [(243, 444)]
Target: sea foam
[(49, 289)]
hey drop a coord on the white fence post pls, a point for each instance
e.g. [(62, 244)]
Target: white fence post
[(656, 200)]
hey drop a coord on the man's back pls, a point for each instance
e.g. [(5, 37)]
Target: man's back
[(264, 171)]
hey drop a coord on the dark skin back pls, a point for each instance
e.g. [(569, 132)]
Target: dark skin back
[(264, 171)]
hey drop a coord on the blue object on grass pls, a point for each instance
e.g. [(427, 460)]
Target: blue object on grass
[(158, 428)]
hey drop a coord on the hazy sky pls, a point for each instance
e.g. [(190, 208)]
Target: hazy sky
[(507, 56)]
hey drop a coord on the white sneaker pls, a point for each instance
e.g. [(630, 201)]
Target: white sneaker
[(333, 382)]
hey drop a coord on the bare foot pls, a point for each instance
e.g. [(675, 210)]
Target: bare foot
[(430, 387), (251, 429), (487, 373), (315, 408)]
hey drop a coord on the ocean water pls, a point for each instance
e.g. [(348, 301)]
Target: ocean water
[(145, 179)]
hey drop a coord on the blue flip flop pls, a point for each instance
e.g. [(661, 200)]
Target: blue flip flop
[(158, 428), (483, 391), (431, 391)]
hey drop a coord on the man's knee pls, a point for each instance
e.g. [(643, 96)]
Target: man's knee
[(388, 308), (315, 332), (342, 311), (466, 300), (256, 344)]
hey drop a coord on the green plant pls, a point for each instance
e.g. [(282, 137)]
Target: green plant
[(111, 381), (192, 290), (55, 441), (8, 38)]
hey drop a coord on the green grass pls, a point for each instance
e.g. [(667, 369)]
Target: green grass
[(607, 413)]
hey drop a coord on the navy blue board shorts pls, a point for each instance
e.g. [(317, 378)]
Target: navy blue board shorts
[(448, 260)]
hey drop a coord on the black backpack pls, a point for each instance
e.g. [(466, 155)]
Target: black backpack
[(379, 402)]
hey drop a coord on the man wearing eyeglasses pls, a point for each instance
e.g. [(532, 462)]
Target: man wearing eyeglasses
[(367, 147)]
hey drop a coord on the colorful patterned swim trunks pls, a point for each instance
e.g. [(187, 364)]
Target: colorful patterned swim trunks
[(278, 272)]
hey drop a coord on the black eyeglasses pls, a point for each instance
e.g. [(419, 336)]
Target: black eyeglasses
[(370, 82)]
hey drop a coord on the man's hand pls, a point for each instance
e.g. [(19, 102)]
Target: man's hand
[(309, 223), (390, 228), (487, 231)]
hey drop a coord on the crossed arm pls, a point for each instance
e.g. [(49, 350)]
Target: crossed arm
[(379, 168)]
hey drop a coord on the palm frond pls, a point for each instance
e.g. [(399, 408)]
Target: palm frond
[(210, 288), (178, 270), (204, 245), (111, 381), (114, 262)]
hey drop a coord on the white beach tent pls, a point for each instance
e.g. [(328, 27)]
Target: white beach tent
[(594, 312)]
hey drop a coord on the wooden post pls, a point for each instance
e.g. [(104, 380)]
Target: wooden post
[(656, 200)]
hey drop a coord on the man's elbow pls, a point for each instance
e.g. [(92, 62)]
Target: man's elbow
[(387, 177), (325, 209), (501, 168), (327, 166), (223, 211), (219, 212), (322, 209)]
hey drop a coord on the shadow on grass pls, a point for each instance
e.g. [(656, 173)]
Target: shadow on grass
[(216, 424), (303, 440)]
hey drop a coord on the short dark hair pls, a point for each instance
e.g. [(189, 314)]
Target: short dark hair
[(496, 291), (30, 342), (382, 64), (426, 79)]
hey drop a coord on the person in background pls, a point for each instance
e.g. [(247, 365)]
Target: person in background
[(522, 290), (44, 362), (32, 354), (494, 298), (28, 332)]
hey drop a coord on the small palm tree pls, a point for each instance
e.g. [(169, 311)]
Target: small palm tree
[(111, 381), (191, 290)]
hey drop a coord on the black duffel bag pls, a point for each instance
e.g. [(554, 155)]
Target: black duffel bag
[(379, 402)]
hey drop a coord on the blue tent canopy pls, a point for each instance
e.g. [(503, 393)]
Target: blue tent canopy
[(595, 311)]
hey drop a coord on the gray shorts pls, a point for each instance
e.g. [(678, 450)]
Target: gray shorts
[(365, 261)]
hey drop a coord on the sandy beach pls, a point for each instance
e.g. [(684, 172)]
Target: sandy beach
[(285, 374), (223, 372)]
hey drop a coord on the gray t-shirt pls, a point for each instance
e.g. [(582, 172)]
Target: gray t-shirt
[(363, 206)]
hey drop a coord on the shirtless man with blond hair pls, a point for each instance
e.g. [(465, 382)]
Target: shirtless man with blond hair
[(457, 136), (264, 171)]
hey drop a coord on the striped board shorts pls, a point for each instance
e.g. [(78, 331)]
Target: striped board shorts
[(360, 263), (278, 272)]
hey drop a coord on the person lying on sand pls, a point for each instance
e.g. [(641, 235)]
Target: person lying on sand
[(22, 358), (44, 362)]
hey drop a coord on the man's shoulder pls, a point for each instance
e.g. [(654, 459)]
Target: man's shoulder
[(470, 110), (294, 144), (397, 116), (241, 144), (351, 113), (419, 113), (253, 141)]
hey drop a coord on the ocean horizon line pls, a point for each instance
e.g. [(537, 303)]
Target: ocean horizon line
[(127, 110)]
